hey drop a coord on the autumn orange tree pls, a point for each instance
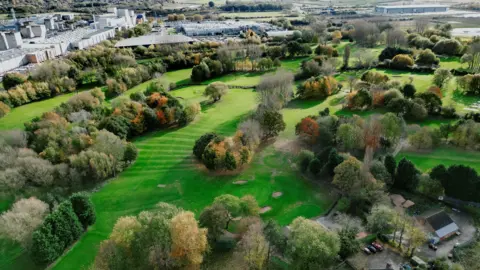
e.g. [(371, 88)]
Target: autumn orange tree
[(318, 87), (308, 129)]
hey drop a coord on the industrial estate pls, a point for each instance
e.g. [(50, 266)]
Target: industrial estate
[(240, 134)]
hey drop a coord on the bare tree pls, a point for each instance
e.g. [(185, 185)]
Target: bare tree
[(18, 223), (395, 38), (329, 66), (421, 24), (319, 27), (366, 34), (252, 132), (275, 90), (365, 58)]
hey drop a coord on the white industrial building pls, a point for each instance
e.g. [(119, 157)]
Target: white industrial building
[(212, 28), (17, 52), (409, 9), (94, 38), (43, 37), (116, 18), (153, 39)]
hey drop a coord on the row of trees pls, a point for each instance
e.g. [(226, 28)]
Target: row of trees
[(94, 65), (377, 90)]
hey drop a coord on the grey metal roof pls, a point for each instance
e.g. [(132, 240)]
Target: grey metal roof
[(153, 39), (89, 35), (279, 33), (415, 6), (447, 230)]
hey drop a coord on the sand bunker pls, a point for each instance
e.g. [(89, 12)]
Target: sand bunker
[(277, 194), (161, 186), (240, 182), (265, 209)]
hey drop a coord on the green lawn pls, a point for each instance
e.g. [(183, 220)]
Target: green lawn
[(451, 62), (19, 115), (446, 156), (165, 158)]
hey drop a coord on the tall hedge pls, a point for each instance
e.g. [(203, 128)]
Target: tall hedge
[(59, 230), (83, 208)]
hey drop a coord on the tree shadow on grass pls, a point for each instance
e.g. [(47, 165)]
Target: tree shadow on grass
[(207, 105), (304, 104)]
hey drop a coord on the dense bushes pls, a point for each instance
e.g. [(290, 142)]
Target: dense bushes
[(427, 58), (13, 79), (448, 47), (470, 84), (4, 109), (318, 87), (373, 77), (402, 61), (390, 52), (61, 228), (326, 50)]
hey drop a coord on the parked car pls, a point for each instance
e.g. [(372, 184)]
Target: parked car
[(377, 246), (367, 251), (458, 233), (372, 248), (432, 246)]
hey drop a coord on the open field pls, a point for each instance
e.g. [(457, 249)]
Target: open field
[(165, 158), (446, 156), (25, 113)]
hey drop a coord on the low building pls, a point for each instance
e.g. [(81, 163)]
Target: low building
[(285, 33), (442, 225), (153, 39), (94, 38), (213, 28), (408, 9)]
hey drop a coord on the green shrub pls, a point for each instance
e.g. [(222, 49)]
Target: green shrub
[(201, 143), (84, 209), (4, 109), (11, 80), (448, 47), (402, 61)]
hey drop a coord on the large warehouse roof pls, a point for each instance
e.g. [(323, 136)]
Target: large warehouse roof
[(153, 39), (415, 6)]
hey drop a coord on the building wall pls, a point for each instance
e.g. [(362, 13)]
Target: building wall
[(13, 63), (413, 10), (3, 42)]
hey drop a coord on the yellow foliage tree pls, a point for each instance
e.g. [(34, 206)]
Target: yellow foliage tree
[(189, 242)]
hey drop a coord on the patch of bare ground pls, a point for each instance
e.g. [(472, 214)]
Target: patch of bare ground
[(290, 146), (241, 182), (277, 194), (265, 209), (161, 186)]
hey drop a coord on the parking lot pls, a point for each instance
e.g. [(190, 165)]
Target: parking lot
[(378, 260)]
